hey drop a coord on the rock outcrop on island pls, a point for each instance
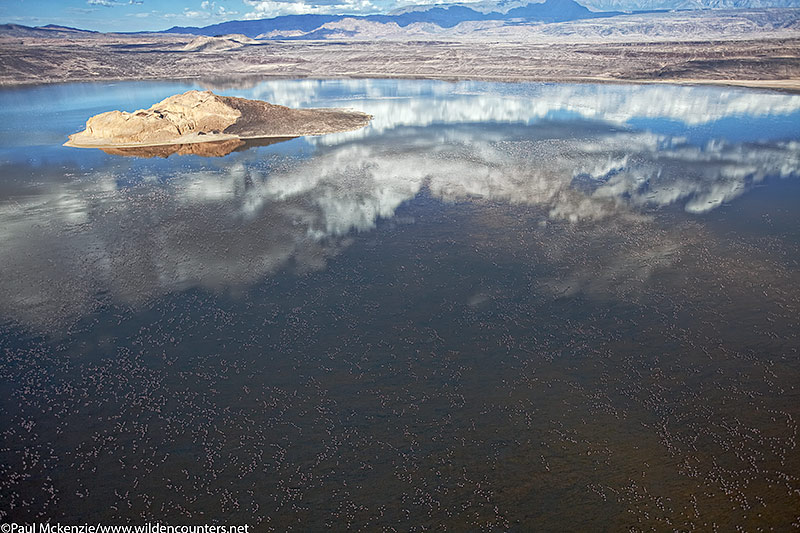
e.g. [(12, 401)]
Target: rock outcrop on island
[(202, 116)]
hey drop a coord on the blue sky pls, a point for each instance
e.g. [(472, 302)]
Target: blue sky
[(137, 15)]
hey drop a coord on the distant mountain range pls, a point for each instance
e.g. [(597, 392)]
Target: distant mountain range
[(435, 18), (450, 15), (444, 17), (51, 30), (503, 6), (638, 5)]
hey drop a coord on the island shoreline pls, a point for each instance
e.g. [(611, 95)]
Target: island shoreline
[(182, 142)]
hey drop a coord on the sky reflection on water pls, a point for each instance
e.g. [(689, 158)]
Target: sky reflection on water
[(591, 282), (293, 204)]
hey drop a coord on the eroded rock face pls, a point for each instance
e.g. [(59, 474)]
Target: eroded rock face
[(202, 116), (182, 114)]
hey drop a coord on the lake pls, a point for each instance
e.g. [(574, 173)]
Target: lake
[(530, 307)]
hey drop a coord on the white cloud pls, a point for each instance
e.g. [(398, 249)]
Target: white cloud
[(113, 3), (222, 12), (270, 8), (275, 8), (209, 10)]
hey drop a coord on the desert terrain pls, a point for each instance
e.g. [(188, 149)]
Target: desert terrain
[(759, 49)]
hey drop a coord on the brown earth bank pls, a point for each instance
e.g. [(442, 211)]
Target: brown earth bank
[(768, 63)]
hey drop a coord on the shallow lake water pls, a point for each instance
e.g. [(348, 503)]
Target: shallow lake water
[(530, 307)]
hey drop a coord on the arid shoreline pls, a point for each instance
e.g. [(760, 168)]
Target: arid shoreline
[(759, 63)]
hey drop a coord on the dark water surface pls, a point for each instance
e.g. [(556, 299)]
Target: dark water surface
[(525, 307)]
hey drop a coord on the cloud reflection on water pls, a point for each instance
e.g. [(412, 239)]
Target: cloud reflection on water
[(70, 244), (398, 103), (73, 240)]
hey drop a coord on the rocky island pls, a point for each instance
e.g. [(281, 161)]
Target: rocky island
[(202, 117)]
